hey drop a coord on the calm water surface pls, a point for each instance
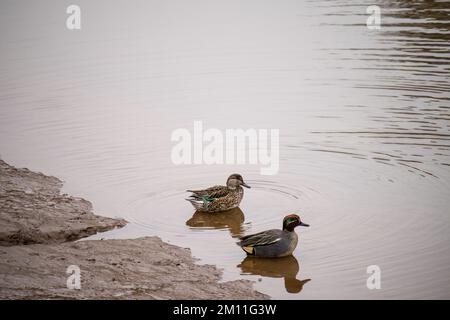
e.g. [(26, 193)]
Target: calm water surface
[(364, 119)]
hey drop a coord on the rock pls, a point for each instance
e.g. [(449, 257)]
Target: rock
[(32, 210), (29, 276)]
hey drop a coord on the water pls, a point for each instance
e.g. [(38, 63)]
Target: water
[(364, 119)]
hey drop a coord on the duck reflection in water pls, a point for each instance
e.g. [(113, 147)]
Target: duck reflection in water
[(231, 219), (286, 267)]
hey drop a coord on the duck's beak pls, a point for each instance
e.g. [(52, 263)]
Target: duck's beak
[(245, 185), (303, 224)]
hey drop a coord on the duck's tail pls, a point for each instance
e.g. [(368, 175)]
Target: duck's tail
[(196, 203)]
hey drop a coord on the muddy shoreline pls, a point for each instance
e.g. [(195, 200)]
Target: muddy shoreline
[(38, 225)]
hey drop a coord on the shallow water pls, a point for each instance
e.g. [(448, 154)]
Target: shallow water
[(364, 119)]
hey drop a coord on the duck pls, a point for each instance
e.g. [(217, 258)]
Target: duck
[(273, 243), (219, 198)]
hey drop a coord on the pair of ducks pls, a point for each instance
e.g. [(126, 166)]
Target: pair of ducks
[(272, 243)]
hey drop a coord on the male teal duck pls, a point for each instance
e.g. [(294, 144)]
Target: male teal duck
[(273, 243), (219, 198)]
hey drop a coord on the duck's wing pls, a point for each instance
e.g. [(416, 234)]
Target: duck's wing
[(261, 239), (210, 193)]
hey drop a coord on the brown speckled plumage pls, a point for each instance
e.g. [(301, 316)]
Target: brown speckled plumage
[(219, 198)]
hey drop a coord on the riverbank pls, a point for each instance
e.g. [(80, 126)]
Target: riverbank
[(38, 225)]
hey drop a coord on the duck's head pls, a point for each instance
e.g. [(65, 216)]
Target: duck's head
[(236, 180), (291, 221)]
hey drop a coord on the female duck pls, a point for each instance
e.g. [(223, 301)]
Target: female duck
[(273, 243), (219, 198)]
